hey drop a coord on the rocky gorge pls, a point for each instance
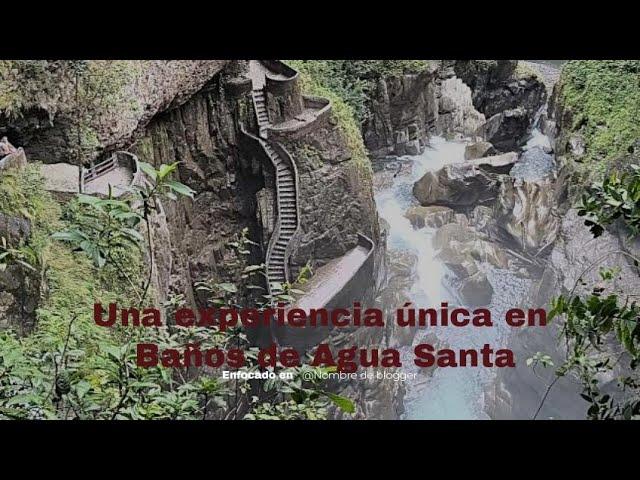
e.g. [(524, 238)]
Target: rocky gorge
[(458, 172)]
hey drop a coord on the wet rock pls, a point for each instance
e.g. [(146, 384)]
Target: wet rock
[(526, 211), (481, 217), (464, 184), (507, 130), (547, 126), (461, 219), (432, 216), (406, 103), (413, 147), (502, 85), (478, 150), (456, 111)]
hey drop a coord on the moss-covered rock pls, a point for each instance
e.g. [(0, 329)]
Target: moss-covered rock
[(596, 105)]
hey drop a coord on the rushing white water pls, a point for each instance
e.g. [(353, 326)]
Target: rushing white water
[(450, 393)]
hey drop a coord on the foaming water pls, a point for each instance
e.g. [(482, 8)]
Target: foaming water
[(450, 393), (392, 204), (538, 139)]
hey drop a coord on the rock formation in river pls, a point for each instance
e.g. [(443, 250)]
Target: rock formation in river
[(508, 94)]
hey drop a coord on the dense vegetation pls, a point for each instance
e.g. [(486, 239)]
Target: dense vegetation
[(90, 250), (603, 98), (600, 326)]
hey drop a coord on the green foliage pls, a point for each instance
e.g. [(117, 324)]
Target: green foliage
[(100, 228), (71, 368), (616, 197), (24, 256), (589, 323), (22, 194), (604, 98), (316, 79)]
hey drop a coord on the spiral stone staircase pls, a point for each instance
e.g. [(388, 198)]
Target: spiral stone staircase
[(286, 175), (288, 220)]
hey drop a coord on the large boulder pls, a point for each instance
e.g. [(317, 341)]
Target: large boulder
[(458, 242), (526, 212), (508, 93), (534, 164), (526, 205), (506, 130), (464, 184), (401, 109), (500, 85), (456, 111)]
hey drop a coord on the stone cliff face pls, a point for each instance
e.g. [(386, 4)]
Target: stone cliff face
[(403, 111), (55, 108), (338, 197), (494, 100), (518, 392), (407, 109), (508, 94), (202, 134)]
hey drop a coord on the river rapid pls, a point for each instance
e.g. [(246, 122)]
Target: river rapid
[(419, 276)]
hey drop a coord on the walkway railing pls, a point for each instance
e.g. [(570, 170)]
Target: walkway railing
[(117, 159)]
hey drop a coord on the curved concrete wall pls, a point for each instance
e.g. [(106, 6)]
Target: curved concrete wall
[(294, 131), (284, 96), (355, 289), (285, 79)]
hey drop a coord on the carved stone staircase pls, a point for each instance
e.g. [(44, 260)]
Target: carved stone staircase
[(288, 219), (262, 114), (287, 222)]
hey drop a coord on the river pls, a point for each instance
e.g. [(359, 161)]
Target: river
[(446, 393)]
